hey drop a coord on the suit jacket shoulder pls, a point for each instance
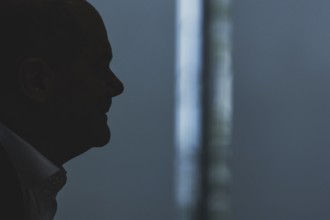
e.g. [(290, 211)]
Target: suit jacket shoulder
[(11, 197)]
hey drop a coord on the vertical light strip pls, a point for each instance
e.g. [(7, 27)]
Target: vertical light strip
[(188, 104), (219, 107)]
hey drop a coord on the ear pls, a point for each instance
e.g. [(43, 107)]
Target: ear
[(36, 79)]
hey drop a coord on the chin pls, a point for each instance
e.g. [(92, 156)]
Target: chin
[(101, 136), (93, 132)]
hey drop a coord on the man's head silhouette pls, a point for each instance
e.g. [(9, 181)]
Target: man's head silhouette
[(55, 90), (55, 82)]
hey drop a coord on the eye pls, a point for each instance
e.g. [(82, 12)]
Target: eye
[(102, 71), (101, 63), (99, 72)]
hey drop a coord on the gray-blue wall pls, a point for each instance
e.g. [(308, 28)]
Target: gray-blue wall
[(132, 177), (281, 143)]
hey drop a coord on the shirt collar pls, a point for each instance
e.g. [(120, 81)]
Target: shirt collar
[(32, 167)]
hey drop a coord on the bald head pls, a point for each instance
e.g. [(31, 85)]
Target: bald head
[(62, 117), (48, 29)]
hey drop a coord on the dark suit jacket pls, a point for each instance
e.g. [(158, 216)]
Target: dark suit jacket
[(11, 197)]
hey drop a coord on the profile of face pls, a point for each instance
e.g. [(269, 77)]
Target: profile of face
[(81, 100)]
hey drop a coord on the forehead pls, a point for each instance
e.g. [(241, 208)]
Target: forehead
[(91, 24)]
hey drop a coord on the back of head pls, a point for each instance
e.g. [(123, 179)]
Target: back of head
[(45, 29)]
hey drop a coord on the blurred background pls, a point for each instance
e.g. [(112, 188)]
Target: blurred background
[(281, 142), (280, 146)]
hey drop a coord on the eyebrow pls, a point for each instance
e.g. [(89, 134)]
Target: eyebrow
[(104, 56), (108, 55)]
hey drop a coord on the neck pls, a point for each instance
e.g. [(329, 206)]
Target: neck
[(57, 142), (56, 146)]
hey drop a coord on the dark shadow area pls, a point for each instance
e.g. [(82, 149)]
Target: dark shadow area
[(56, 88)]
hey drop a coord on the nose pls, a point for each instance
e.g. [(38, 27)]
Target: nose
[(115, 86)]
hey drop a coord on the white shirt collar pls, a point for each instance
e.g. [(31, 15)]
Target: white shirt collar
[(32, 167)]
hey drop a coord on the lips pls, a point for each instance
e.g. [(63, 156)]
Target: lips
[(107, 105)]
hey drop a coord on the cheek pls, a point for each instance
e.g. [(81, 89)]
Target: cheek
[(86, 97)]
